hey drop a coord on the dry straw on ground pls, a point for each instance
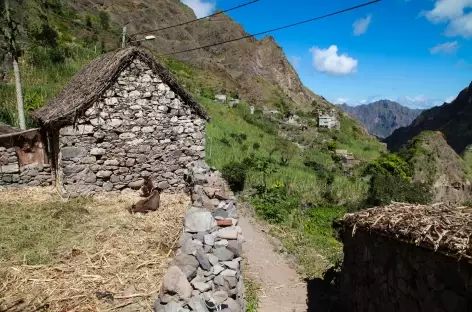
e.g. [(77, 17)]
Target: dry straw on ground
[(440, 227), (107, 260)]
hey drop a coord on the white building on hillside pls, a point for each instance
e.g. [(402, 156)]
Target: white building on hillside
[(327, 121)]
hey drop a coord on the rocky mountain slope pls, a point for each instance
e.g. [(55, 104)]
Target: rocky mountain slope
[(258, 69), (453, 119), (382, 117), (434, 162)]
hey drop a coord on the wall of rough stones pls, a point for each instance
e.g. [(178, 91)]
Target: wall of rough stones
[(383, 274), (12, 174), (205, 274), (140, 128)]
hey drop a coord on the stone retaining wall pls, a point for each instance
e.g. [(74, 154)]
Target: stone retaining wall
[(139, 128), (383, 274), (14, 175), (205, 274)]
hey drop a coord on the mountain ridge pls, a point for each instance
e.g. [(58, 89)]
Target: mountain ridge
[(382, 117), (453, 119)]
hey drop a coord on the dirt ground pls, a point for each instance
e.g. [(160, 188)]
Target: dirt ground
[(282, 289), (83, 254)]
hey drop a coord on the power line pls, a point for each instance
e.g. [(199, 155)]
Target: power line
[(185, 23), (279, 28)]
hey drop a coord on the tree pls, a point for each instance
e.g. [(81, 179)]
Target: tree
[(104, 20)]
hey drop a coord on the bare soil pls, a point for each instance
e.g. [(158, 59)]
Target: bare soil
[(282, 288)]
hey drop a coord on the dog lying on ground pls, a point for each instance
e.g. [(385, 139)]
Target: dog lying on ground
[(147, 187), (146, 205)]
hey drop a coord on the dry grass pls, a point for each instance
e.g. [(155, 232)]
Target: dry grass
[(440, 227), (61, 256)]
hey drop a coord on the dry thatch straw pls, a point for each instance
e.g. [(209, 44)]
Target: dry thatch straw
[(440, 227), (5, 129), (113, 259), (88, 86)]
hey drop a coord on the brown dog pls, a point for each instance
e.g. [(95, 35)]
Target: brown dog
[(147, 187), (149, 204)]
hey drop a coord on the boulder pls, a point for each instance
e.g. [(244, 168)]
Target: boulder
[(175, 282)]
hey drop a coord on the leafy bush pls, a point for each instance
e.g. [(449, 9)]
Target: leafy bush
[(256, 146), (235, 174), (209, 93), (88, 21), (332, 146), (387, 188), (104, 20), (389, 164), (275, 203)]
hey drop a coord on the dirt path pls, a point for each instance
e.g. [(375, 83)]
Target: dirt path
[(282, 288)]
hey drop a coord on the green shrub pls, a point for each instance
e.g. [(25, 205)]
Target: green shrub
[(256, 146), (208, 93), (104, 20), (275, 203), (235, 174), (88, 21), (387, 188), (332, 146), (389, 164)]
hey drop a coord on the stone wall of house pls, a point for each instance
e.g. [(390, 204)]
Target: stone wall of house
[(383, 274), (14, 175), (140, 128), (206, 273)]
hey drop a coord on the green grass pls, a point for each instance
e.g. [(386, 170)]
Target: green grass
[(309, 236), (30, 232)]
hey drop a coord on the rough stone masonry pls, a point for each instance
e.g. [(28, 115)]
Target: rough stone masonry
[(206, 273), (12, 175), (140, 128)]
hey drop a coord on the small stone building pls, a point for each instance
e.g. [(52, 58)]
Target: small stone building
[(122, 118), (407, 258), (23, 161)]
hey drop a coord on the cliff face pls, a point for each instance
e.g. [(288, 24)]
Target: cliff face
[(259, 69), (453, 119), (382, 117)]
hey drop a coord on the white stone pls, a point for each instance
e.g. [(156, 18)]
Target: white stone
[(134, 94), (229, 273), (135, 107), (80, 129), (111, 101), (135, 129), (162, 108), (174, 119), (97, 121), (142, 102), (147, 129), (127, 136), (116, 122), (217, 269), (97, 151)]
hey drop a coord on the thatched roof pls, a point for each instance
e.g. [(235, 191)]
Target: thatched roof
[(6, 129), (443, 228), (87, 86)]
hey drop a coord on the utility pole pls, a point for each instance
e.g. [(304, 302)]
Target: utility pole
[(123, 38), (10, 36)]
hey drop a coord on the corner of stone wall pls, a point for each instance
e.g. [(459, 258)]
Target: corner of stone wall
[(206, 273), (14, 176)]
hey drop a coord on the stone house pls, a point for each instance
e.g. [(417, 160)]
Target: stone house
[(23, 161), (406, 257), (122, 118)]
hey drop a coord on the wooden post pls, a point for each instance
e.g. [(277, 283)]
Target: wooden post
[(16, 68), (123, 38)]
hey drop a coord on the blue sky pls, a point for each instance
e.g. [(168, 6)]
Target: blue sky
[(417, 52)]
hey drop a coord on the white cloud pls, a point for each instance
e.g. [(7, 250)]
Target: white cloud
[(447, 47), (461, 26), (419, 101), (295, 60), (360, 26), (453, 13), (328, 61), (341, 101), (200, 7), (450, 99)]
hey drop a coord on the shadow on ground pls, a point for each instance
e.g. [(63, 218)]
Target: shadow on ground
[(323, 293)]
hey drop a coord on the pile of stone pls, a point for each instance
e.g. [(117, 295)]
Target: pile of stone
[(205, 274), (12, 175)]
